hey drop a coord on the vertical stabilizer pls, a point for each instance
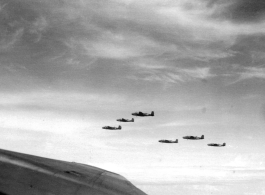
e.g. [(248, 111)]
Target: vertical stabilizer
[(202, 137), (132, 119), (224, 144), (119, 127), (176, 140), (152, 113)]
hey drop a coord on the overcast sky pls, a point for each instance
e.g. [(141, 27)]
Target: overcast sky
[(67, 68)]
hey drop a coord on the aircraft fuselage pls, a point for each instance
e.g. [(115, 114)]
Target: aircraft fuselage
[(217, 145), (112, 128), (125, 120), (143, 114), (193, 137), (168, 141)]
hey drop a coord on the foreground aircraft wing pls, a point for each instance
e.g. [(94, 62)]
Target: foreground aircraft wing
[(22, 174)]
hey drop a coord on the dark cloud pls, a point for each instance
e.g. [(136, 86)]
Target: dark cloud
[(24, 31), (47, 38), (239, 11), (248, 50), (59, 40), (35, 38), (248, 11)]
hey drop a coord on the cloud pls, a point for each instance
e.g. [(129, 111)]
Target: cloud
[(38, 27), (247, 50), (201, 16), (187, 123), (41, 121), (192, 175), (9, 40), (243, 161), (120, 46), (253, 72), (196, 73), (56, 101), (169, 74), (102, 24), (170, 42), (56, 118), (250, 73), (242, 11), (41, 111)]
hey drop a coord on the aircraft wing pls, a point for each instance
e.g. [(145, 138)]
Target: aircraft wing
[(22, 174)]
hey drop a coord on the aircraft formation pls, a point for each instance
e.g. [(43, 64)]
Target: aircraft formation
[(141, 114), (22, 174), (192, 138)]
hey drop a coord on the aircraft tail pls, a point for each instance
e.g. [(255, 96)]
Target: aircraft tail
[(202, 137), (177, 141), (152, 113), (224, 144), (132, 120), (119, 127)]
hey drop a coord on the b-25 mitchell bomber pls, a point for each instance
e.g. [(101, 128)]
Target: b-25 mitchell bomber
[(143, 114), (168, 141), (23, 174), (217, 145), (112, 128), (193, 137), (125, 120)]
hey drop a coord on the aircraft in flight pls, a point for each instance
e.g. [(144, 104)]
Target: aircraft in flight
[(112, 128), (125, 120), (23, 174), (143, 114), (168, 141), (193, 137), (217, 145)]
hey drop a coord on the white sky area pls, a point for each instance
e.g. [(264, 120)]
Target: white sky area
[(68, 68)]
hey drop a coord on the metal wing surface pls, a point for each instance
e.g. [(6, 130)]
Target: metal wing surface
[(23, 174)]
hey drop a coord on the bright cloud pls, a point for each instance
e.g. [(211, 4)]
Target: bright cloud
[(253, 72), (167, 75)]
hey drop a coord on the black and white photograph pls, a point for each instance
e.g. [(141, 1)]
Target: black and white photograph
[(132, 97)]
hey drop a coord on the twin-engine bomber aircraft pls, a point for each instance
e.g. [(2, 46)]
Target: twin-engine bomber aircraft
[(112, 128), (23, 174), (193, 137), (143, 114), (217, 145), (125, 120), (168, 141)]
